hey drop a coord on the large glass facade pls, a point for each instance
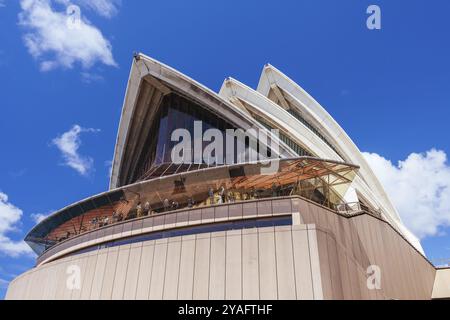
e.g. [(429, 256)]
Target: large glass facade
[(299, 150), (320, 181), (177, 112)]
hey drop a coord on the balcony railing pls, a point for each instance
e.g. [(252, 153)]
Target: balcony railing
[(354, 208)]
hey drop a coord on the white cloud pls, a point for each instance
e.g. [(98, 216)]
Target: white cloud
[(420, 189), (109, 165), (10, 217), (54, 42), (39, 217), (88, 78), (105, 8), (18, 173), (3, 283), (69, 143), (2, 3)]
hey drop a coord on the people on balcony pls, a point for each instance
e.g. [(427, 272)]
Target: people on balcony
[(139, 210), (166, 204), (211, 195), (147, 208), (94, 223), (274, 190), (254, 194), (117, 217), (221, 195)]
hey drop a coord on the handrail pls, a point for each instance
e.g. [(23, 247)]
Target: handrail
[(352, 208), (45, 255), (348, 213), (345, 209)]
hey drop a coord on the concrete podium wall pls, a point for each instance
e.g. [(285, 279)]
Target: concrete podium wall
[(348, 246), (322, 256), (265, 263)]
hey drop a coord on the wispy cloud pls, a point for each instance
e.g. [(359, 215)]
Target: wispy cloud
[(56, 43), (88, 77), (39, 217), (109, 165), (419, 187), (19, 173), (105, 8), (10, 217), (3, 283), (69, 143)]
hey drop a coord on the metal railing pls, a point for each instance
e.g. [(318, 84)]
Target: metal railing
[(354, 208)]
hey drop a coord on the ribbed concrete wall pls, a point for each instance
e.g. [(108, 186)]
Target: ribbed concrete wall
[(323, 255), (348, 246), (265, 263)]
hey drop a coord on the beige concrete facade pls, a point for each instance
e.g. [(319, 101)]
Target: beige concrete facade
[(441, 289), (206, 266), (323, 255)]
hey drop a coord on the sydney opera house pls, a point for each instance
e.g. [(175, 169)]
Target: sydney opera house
[(320, 226)]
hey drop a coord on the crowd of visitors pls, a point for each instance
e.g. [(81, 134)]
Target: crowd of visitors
[(214, 196)]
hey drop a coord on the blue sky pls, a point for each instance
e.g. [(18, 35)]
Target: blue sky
[(388, 88)]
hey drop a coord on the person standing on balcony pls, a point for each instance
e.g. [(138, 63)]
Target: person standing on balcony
[(211, 195), (221, 195), (147, 208), (166, 204), (139, 210)]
